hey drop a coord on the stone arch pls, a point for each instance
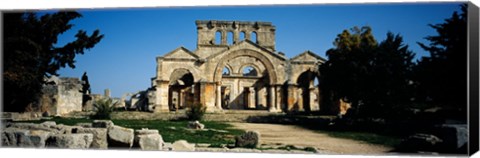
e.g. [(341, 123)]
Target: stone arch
[(191, 69), (246, 52), (179, 89), (308, 93)]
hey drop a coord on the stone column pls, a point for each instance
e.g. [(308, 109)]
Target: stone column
[(279, 98), (161, 103), (291, 96), (251, 97), (271, 104), (218, 102), (207, 95)]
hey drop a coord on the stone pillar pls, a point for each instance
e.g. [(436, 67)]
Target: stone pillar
[(218, 102), (207, 95), (279, 98), (161, 103), (251, 97), (224, 38), (271, 104), (291, 96)]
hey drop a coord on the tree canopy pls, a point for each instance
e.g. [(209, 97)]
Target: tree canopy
[(442, 76), (371, 76), (31, 54)]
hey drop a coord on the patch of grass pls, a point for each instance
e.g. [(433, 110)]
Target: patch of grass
[(179, 130)]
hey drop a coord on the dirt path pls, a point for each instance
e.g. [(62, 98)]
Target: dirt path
[(272, 134)]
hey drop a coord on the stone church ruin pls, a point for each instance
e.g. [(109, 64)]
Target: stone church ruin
[(236, 66)]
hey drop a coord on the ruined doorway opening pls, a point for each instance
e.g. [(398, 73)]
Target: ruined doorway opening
[(181, 90), (308, 92), (247, 88)]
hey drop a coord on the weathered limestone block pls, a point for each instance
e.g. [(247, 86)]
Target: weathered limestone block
[(120, 137), (149, 141), (454, 136), (99, 137), (49, 123), (102, 123), (14, 137), (84, 125), (249, 139), (66, 129), (195, 125), (183, 145), (420, 142), (38, 138), (31, 126), (72, 141)]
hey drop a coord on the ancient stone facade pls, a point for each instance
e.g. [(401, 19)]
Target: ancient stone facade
[(236, 66)]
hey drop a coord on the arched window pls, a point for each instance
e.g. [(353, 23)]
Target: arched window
[(249, 71), (230, 38), (218, 37), (242, 36), (253, 37), (226, 71)]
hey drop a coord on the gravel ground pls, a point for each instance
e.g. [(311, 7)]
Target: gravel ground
[(276, 135)]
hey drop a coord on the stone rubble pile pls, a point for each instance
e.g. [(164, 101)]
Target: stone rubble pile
[(101, 134)]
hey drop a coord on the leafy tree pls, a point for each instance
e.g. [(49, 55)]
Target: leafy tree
[(31, 53), (372, 77), (442, 77)]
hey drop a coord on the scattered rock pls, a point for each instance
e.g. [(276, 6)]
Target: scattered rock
[(147, 139), (144, 131), (195, 125), (249, 139), (49, 123), (202, 145), (99, 137), (420, 142), (454, 136), (183, 145), (102, 123), (84, 125), (120, 137), (72, 141), (167, 146)]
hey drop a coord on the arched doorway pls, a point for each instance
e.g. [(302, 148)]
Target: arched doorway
[(308, 92), (245, 80), (181, 89)]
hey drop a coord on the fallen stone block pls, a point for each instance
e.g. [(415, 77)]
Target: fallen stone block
[(13, 137), (249, 139), (49, 123), (195, 125), (120, 137), (84, 125), (31, 126), (71, 141), (99, 137), (102, 123), (183, 145), (149, 142)]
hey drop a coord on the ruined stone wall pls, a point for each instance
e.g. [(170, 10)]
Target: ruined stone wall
[(62, 96)]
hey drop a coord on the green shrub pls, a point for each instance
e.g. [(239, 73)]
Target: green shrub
[(196, 112), (104, 108)]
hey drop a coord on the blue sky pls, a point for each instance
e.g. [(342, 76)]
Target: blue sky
[(124, 61)]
